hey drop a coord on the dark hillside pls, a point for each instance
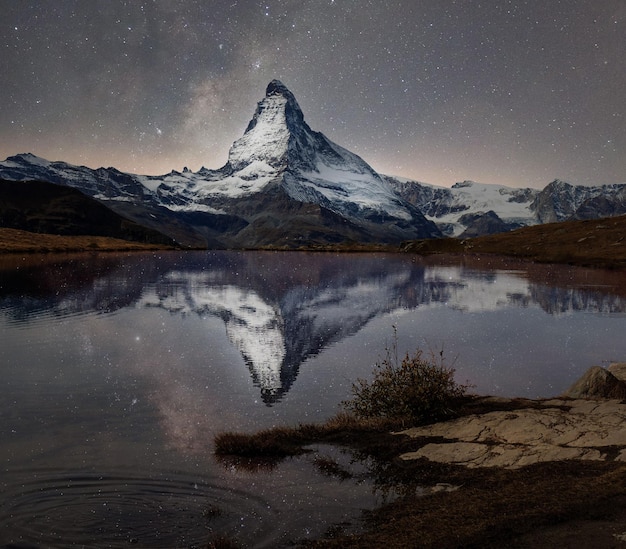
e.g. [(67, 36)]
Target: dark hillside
[(41, 207)]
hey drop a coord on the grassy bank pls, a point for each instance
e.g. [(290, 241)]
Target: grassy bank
[(590, 243), (17, 241)]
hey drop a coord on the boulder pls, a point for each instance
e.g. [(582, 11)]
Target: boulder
[(598, 383), (618, 369)]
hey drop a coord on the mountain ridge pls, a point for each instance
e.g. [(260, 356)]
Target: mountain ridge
[(42, 207), (285, 185), (461, 209)]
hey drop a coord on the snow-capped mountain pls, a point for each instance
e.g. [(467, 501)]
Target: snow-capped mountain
[(560, 201), (289, 186), (464, 205), (283, 184), (470, 209)]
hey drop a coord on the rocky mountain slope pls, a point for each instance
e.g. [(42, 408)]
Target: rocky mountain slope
[(470, 209), (283, 185)]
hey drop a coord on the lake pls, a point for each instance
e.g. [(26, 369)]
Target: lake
[(118, 370)]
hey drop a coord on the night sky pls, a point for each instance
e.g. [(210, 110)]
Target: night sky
[(498, 91)]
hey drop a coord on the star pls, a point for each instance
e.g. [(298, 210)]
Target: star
[(518, 92)]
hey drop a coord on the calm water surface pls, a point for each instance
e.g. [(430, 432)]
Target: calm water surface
[(119, 369)]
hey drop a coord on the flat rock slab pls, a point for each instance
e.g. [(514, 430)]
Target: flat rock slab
[(560, 429)]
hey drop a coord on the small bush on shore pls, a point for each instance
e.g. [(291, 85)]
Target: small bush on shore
[(416, 390)]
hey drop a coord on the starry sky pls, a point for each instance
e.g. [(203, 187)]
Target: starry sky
[(513, 92)]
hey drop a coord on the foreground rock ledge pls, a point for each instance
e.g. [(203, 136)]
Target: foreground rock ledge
[(589, 428), (559, 429)]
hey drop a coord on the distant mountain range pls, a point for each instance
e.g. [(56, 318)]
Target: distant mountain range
[(285, 185), (470, 209)]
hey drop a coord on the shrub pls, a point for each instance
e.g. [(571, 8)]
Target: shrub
[(416, 390)]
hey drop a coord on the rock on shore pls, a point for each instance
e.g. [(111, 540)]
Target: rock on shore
[(564, 428)]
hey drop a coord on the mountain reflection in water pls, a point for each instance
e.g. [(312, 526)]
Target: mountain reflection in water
[(119, 369), (281, 308)]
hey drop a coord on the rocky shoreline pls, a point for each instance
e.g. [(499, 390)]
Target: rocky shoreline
[(557, 429), (586, 423), (510, 473)]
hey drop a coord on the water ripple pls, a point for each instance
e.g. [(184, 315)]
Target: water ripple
[(60, 509)]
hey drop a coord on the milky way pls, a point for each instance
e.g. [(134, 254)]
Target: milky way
[(511, 92)]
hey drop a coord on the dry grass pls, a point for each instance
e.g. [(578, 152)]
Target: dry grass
[(17, 241), (275, 443), (593, 243), (280, 442), (411, 391)]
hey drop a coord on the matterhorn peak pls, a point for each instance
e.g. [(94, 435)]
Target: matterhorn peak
[(266, 139), (276, 87), (279, 146)]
